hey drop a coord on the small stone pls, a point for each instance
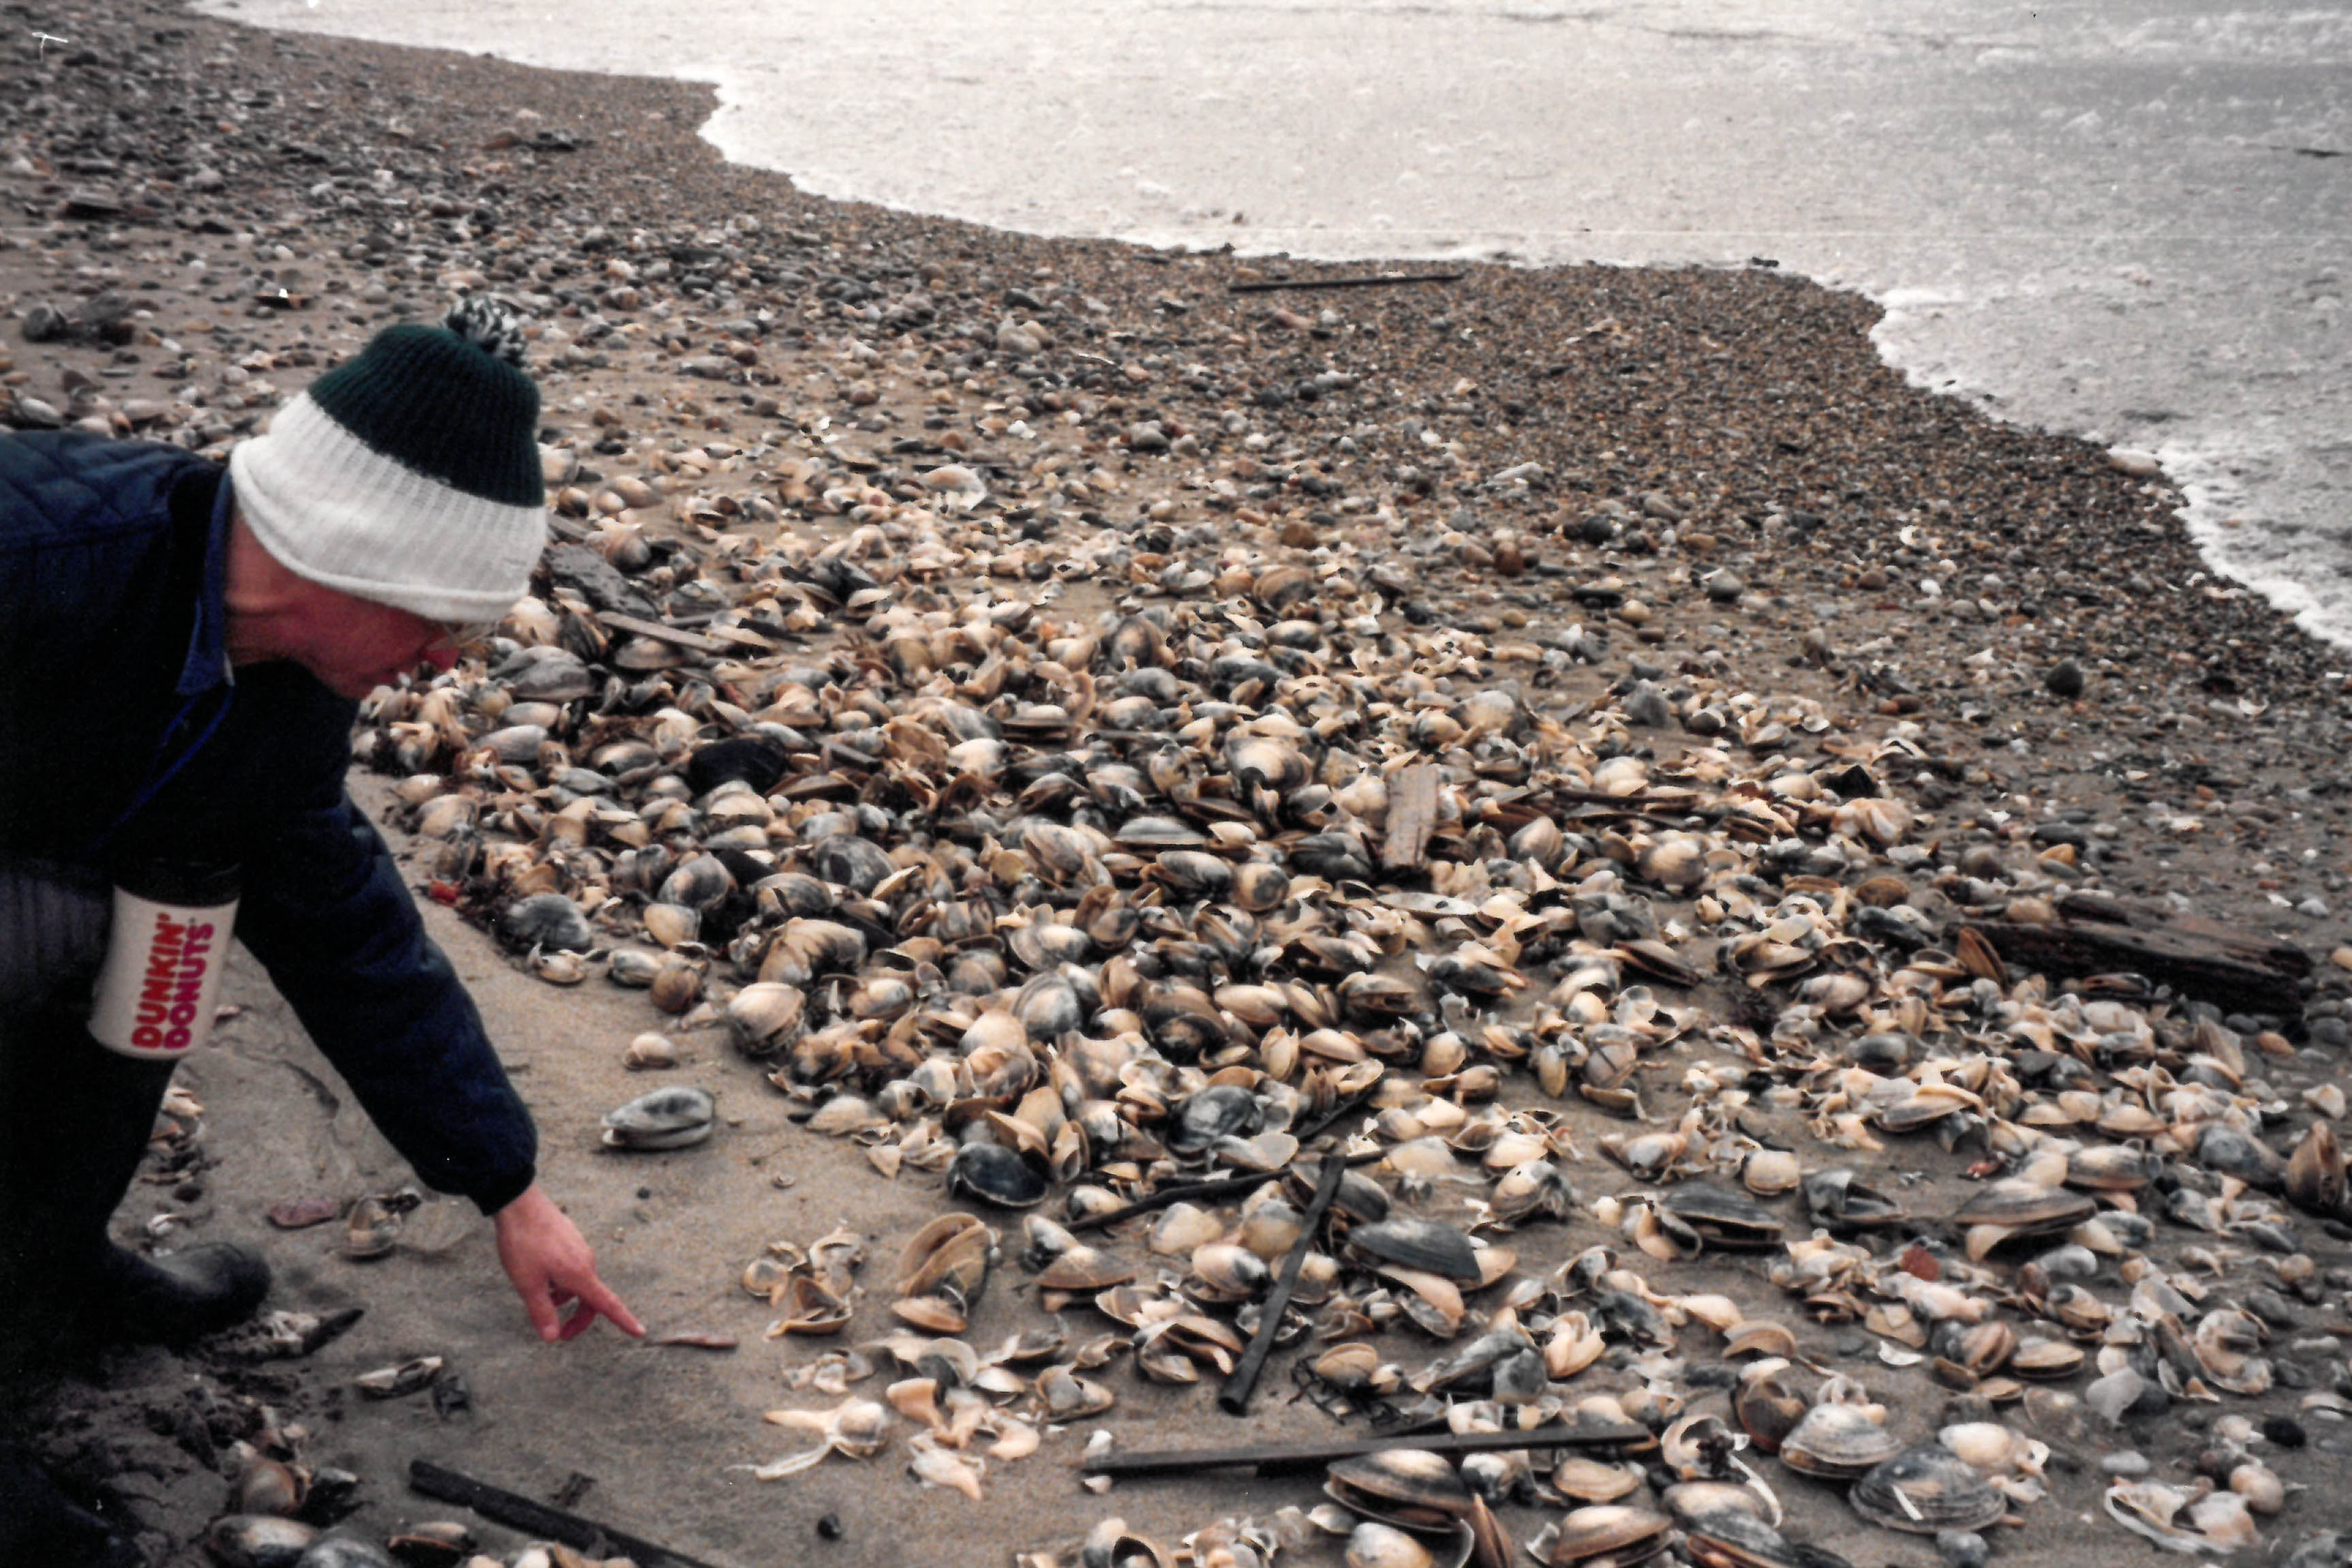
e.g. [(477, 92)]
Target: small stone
[(1646, 706), (2128, 1462), (2064, 679), (1962, 1548), (1725, 587), (2285, 1431)]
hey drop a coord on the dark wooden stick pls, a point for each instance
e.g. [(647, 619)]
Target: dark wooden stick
[(1183, 1191), (535, 1518), (1179, 1461), (1235, 1397), (1377, 280)]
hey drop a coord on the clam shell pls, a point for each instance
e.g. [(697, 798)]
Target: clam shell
[(1925, 1490), (672, 1117)]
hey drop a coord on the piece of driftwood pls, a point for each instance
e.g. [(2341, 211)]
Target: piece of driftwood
[(1277, 1457), (1185, 1191), (535, 1518), (662, 631), (1374, 280), (1235, 1397), (2098, 934), (1412, 817)]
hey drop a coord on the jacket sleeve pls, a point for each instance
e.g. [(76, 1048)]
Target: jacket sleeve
[(327, 914)]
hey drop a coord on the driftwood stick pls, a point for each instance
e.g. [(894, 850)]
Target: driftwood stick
[(1411, 817), (1377, 280), (1184, 1191), (535, 1518), (1235, 1397), (1290, 1455), (2227, 968)]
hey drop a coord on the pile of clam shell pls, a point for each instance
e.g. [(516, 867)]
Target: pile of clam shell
[(1069, 903)]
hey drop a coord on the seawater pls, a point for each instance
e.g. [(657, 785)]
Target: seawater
[(2125, 220)]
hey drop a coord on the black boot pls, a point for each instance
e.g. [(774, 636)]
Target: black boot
[(167, 1300), (39, 1524)]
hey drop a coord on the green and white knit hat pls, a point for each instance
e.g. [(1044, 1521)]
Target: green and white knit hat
[(410, 474)]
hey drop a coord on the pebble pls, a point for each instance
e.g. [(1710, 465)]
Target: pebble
[(2127, 1462), (2064, 679), (1962, 1548)]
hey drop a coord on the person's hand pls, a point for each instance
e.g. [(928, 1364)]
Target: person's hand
[(553, 1268)]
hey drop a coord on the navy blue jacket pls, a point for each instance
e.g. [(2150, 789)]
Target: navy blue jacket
[(123, 736)]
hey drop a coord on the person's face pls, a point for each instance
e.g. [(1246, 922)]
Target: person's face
[(354, 645)]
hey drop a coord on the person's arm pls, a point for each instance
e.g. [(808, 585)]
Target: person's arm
[(325, 911), (328, 915)]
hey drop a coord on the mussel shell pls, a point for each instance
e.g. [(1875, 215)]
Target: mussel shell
[(2026, 1207), (1220, 1111), (1424, 1244), (1925, 1488), (1723, 1216), (258, 1539), (347, 1551), (1411, 1487), (858, 863), (992, 1174), (547, 920), (1727, 1536)]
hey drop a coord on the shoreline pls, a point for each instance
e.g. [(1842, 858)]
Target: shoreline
[(1726, 446), (2232, 456)]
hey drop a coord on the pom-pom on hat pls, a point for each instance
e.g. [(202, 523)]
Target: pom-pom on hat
[(410, 474)]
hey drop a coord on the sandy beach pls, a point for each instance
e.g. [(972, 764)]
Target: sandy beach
[(1710, 469)]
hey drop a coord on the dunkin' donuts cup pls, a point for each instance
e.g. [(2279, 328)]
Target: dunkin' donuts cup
[(160, 983)]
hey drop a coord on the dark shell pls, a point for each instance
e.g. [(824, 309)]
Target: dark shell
[(755, 759), (1409, 1486), (1424, 1244), (993, 1174), (258, 1539), (358, 1552), (546, 920), (2226, 1151), (1726, 1538), (1927, 1488), (854, 863), (697, 883), (1723, 1216), (1335, 857), (1220, 1111), (2026, 1207), (1835, 1199)]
